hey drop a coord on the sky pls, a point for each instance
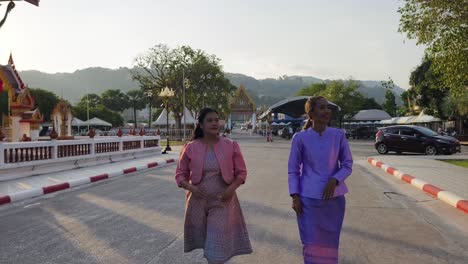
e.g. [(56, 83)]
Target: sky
[(328, 39)]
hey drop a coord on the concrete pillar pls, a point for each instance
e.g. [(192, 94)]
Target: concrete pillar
[(93, 146), (121, 145), (54, 149), (2, 157), (15, 129), (34, 135)]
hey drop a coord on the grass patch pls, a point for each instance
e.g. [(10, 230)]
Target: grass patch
[(461, 163)]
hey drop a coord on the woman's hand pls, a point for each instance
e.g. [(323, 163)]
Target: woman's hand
[(297, 204), (226, 196), (230, 190), (329, 190), (196, 192)]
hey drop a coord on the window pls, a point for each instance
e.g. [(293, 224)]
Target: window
[(406, 131), (392, 130)]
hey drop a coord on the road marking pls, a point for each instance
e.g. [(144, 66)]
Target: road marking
[(32, 205), (24, 186)]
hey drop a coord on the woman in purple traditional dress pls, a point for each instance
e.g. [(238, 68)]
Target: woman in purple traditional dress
[(211, 168), (319, 162)]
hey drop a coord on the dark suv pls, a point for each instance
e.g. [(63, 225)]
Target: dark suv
[(414, 139)]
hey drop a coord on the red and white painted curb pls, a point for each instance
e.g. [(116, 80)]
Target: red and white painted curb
[(18, 196), (446, 196)]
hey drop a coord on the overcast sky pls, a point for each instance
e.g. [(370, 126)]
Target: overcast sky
[(320, 38)]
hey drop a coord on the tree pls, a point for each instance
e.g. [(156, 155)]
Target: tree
[(93, 99), (200, 73), (370, 103), (315, 88), (440, 25), (115, 100), (454, 106), (427, 88), (389, 105), (343, 93), (406, 108), (137, 101), (388, 84), (45, 101), (99, 111)]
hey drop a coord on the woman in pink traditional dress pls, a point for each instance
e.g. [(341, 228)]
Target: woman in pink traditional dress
[(211, 168)]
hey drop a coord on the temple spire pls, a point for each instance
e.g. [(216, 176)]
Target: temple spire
[(10, 60)]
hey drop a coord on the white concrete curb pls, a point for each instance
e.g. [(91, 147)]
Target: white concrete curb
[(445, 196), (18, 196)]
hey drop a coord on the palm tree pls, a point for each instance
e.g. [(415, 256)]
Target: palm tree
[(137, 101)]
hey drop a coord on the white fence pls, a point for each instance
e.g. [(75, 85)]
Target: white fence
[(40, 152)]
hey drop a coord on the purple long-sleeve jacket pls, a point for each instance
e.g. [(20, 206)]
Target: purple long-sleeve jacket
[(314, 159)]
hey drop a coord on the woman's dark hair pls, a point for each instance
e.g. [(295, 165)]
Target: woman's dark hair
[(309, 108), (198, 133)]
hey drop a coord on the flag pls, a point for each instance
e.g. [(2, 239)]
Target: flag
[(34, 2)]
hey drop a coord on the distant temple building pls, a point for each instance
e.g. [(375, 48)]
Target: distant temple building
[(242, 107)]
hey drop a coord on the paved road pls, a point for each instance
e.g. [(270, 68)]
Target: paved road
[(138, 219)]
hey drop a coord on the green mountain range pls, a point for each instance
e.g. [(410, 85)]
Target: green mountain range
[(72, 86)]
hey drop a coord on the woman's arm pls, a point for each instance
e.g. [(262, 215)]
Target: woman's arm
[(346, 160), (183, 167), (294, 166), (240, 169)]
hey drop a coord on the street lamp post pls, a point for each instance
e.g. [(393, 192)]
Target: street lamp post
[(12, 5), (167, 93), (87, 106)]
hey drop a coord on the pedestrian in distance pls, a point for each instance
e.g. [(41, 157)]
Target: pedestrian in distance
[(211, 168), (319, 162), (269, 134)]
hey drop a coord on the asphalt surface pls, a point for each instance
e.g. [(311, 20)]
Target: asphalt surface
[(139, 219)]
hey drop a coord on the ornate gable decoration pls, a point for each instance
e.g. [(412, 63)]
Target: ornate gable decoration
[(20, 99), (32, 117), (62, 108), (242, 101)]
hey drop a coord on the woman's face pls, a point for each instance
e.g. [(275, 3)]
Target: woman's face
[(210, 124), (321, 112)]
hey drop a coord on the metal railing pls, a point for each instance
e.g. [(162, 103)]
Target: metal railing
[(177, 134)]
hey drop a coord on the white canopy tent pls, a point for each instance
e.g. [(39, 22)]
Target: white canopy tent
[(96, 122), (188, 117), (78, 122), (421, 118), (162, 119), (371, 115)]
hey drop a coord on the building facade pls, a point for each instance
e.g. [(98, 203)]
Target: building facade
[(242, 108)]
